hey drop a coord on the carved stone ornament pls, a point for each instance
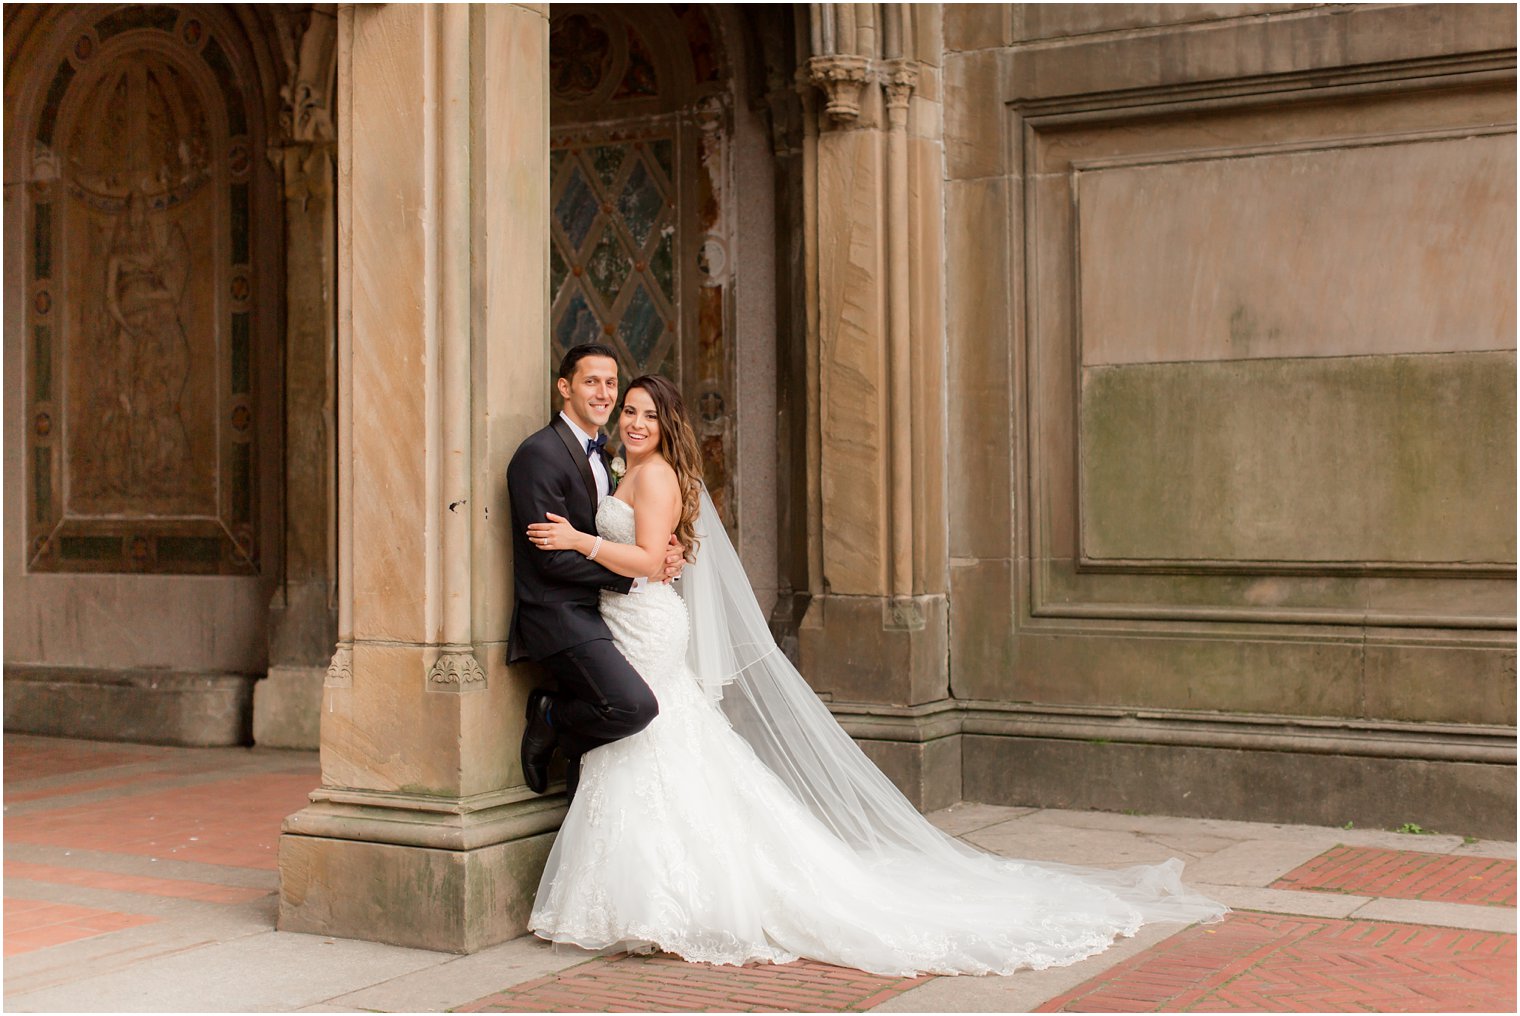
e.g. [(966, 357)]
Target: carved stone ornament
[(340, 672), (842, 78), (900, 84), (456, 672)]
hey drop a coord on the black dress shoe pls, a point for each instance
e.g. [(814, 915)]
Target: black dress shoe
[(572, 778), (538, 742)]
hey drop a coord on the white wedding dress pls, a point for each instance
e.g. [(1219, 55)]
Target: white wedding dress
[(682, 838)]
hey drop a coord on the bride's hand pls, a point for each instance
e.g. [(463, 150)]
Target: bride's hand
[(556, 534), (675, 560)]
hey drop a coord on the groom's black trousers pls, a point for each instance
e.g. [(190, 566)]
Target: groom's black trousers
[(601, 697)]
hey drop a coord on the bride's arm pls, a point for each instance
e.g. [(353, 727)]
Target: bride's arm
[(656, 509)]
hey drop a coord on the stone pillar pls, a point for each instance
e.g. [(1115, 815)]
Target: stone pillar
[(303, 612), (422, 833), (875, 635)]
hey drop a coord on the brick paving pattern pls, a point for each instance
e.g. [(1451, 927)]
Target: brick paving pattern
[(39, 760), (206, 892), (87, 825), (1267, 963), (233, 822), (1406, 875), (662, 983), (37, 924)]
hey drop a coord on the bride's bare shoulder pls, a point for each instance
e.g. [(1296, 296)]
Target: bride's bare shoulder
[(657, 484), (658, 477)]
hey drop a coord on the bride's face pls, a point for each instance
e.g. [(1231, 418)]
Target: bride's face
[(639, 424)]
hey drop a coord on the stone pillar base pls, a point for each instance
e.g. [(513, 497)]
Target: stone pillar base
[(287, 708), (918, 748), (452, 876), (877, 649), (928, 773)]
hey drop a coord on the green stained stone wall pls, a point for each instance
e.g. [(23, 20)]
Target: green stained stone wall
[(1407, 459)]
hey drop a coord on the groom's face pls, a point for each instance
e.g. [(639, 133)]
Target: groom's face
[(590, 395)]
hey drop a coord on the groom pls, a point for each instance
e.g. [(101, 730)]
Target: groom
[(564, 469)]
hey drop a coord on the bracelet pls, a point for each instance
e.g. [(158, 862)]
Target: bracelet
[(595, 547)]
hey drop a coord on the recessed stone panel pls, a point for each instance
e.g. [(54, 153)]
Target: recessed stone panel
[(1393, 459), (1371, 249), (980, 460), (1226, 783), (1052, 21)]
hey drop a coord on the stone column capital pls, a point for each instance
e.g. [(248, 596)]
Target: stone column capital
[(842, 78), (900, 81)]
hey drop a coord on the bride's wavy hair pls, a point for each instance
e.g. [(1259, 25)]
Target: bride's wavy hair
[(678, 445)]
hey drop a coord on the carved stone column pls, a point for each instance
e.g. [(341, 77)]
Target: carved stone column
[(422, 833), (303, 612), (876, 633)]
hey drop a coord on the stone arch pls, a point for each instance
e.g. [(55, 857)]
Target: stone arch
[(145, 234)]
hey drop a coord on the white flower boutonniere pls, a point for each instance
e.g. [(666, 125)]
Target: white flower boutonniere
[(618, 467)]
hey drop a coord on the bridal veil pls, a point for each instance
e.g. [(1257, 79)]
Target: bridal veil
[(771, 706)]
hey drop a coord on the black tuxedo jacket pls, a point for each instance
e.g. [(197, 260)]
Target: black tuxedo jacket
[(556, 602)]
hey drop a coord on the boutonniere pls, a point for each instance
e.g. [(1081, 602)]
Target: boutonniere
[(618, 467)]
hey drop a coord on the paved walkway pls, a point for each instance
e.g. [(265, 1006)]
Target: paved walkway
[(143, 879)]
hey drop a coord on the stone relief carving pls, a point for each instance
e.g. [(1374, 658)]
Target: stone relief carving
[(137, 165), (144, 313), (340, 672), (456, 672), (306, 113), (145, 442)]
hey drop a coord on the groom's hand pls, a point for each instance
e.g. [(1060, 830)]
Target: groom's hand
[(675, 560)]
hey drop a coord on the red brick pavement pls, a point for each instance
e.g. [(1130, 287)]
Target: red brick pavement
[(206, 892), (36, 760), (233, 822), (37, 924), (1267, 963), (663, 983), (1406, 875)]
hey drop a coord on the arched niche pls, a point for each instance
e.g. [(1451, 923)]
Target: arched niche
[(150, 240)]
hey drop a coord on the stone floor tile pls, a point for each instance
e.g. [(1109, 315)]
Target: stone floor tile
[(272, 971), (1163, 824), (959, 819), (1384, 839), (464, 979), (1281, 901), (1487, 848), (1256, 863), (1070, 845), (121, 950), (1445, 915), (152, 867)]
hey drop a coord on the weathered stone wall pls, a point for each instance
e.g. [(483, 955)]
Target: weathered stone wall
[(1231, 357)]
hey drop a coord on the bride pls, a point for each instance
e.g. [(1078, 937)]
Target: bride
[(744, 824)]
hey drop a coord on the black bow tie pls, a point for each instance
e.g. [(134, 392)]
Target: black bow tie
[(596, 444)]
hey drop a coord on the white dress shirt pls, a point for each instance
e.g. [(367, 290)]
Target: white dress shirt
[(598, 468)]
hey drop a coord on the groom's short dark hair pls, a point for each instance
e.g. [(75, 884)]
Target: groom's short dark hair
[(578, 353)]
